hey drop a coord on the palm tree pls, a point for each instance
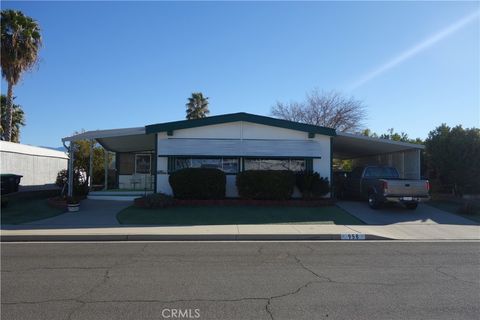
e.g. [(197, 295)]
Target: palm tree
[(21, 42), (197, 106), (18, 118)]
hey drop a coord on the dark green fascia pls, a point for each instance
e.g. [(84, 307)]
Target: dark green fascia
[(309, 164), (241, 116)]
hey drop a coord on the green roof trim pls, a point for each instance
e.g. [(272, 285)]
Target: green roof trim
[(241, 116)]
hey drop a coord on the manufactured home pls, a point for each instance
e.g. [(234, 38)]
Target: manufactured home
[(37, 166), (145, 156)]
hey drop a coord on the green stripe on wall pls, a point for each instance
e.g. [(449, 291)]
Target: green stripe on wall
[(309, 165)]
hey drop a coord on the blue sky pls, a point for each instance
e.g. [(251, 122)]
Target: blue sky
[(121, 64)]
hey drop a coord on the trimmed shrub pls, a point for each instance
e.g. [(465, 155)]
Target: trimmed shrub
[(311, 185), (266, 184), (80, 186), (4, 201), (154, 200), (198, 183)]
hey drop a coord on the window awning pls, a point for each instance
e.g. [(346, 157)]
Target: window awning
[(240, 148)]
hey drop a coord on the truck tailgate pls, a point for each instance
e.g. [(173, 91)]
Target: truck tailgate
[(407, 187)]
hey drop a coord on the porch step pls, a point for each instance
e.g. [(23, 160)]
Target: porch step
[(115, 198), (120, 193), (116, 195)]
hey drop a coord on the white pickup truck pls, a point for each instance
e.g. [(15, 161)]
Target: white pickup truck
[(380, 185)]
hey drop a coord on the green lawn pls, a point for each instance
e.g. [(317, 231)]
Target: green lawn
[(26, 210), (218, 215), (453, 207)]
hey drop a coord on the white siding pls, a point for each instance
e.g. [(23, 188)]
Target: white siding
[(38, 166), (412, 164), (223, 131), (142, 181), (231, 187), (241, 139), (240, 130), (323, 165), (162, 177), (259, 131)]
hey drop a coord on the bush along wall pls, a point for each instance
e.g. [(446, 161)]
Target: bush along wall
[(311, 185), (265, 184), (198, 183)]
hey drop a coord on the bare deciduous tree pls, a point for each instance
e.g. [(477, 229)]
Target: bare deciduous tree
[(328, 109)]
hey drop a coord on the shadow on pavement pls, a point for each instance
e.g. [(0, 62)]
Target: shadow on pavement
[(424, 214)]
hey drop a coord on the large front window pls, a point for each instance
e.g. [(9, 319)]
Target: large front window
[(275, 164), (227, 165)]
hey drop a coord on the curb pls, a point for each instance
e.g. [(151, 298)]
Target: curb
[(180, 237)]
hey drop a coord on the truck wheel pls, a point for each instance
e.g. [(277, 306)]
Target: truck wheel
[(373, 201), (411, 206)]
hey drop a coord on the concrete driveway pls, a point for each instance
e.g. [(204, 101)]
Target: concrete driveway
[(93, 213), (424, 214)]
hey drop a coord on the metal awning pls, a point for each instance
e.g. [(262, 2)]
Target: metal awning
[(350, 146), (345, 145), (119, 140), (240, 148)]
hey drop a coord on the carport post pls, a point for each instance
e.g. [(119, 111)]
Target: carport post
[(419, 164), (105, 168), (90, 167), (70, 169)]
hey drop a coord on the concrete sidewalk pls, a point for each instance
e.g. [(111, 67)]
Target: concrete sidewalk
[(247, 232)]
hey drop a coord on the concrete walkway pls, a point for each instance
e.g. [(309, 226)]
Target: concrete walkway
[(93, 213), (423, 215)]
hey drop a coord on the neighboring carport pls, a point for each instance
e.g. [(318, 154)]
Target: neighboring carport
[(363, 150)]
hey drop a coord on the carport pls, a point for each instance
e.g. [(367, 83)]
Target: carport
[(118, 141), (363, 150)]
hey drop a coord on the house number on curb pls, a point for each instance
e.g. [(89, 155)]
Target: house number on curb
[(353, 236)]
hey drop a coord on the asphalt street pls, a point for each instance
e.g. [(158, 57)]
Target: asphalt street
[(240, 280)]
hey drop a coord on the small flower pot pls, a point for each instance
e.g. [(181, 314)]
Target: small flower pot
[(73, 207)]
